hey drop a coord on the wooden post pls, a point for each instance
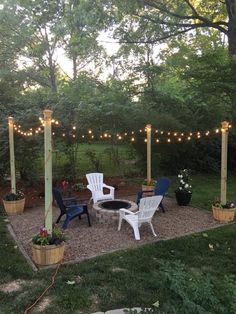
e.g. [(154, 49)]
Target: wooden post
[(224, 151), (48, 168), (12, 154), (149, 131)]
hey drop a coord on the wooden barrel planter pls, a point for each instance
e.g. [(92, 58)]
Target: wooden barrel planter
[(14, 207), (148, 190), (47, 254), (223, 214)]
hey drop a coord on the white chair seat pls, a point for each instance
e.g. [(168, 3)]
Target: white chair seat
[(96, 186), (147, 207)]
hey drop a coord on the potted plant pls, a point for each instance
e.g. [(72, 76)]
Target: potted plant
[(14, 203), (183, 193), (223, 212), (48, 248), (148, 187)]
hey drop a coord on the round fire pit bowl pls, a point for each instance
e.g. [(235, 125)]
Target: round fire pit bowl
[(107, 212)]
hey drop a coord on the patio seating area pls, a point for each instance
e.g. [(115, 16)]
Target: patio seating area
[(84, 242)]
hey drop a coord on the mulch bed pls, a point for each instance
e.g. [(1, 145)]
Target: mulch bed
[(86, 242)]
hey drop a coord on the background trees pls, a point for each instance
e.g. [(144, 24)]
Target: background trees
[(174, 69)]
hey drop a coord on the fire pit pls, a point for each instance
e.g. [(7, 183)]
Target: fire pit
[(107, 212)]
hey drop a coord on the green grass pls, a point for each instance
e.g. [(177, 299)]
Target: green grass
[(103, 153), (206, 188)]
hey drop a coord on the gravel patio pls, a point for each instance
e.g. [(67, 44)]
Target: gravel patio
[(84, 242)]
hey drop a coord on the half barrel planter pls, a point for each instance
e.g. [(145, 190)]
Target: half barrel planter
[(148, 190), (44, 255), (14, 207), (223, 214)]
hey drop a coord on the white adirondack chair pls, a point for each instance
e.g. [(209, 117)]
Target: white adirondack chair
[(96, 185), (147, 208)]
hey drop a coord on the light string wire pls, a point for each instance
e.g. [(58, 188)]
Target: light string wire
[(158, 135)]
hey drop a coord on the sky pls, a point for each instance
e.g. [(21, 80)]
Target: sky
[(110, 45)]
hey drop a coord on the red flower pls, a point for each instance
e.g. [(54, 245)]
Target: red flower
[(43, 232), (65, 184)]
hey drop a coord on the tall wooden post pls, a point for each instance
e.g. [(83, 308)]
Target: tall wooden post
[(12, 154), (224, 151), (149, 131), (48, 168)]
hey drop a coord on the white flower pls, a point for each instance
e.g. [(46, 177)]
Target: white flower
[(182, 181), (186, 186), (180, 188), (180, 176)]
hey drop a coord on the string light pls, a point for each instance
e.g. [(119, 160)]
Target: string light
[(121, 136)]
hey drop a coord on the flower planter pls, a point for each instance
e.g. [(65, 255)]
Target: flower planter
[(223, 214), (47, 254), (183, 198), (148, 190), (14, 207)]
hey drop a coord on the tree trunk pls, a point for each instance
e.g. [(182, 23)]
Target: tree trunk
[(231, 9), (74, 60), (52, 74)]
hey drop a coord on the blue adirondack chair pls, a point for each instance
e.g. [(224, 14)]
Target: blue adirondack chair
[(161, 188), (71, 211)]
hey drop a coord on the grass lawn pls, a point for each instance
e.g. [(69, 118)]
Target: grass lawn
[(206, 188), (107, 162), (192, 274)]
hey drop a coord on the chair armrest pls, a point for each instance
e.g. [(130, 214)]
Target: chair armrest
[(123, 210), (72, 200), (108, 186), (75, 206), (90, 188)]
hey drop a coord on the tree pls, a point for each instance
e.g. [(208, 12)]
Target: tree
[(159, 20)]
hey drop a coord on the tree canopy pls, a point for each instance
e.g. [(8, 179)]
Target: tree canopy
[(175, 66)]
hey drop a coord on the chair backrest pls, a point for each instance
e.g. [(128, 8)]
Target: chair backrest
[(58, 197), (148, 206), (162, 186), (95, 180)]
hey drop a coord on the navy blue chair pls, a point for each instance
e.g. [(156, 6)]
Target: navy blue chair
[(161, 188), (71, 211)]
